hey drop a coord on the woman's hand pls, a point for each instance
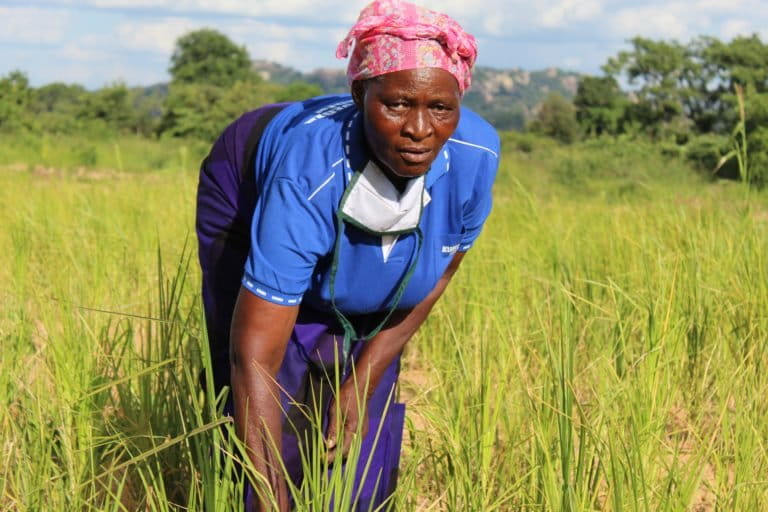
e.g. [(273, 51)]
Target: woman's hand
[(347, 417), (351, 414)]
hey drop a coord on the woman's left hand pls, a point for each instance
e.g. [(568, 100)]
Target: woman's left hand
[(347, 417)]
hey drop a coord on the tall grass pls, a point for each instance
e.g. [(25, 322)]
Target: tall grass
[(600, 349)]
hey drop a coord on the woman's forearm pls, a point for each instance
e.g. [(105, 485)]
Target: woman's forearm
[(258, 425), (259, 335), (380, 351)]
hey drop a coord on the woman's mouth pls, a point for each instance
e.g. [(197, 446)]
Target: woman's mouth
[(415, 155)]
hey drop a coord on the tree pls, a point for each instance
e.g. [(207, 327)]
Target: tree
[(58, 97), (557, 119), (203, 111), (148, 103), (298, 91), (209, 57), (599, 105), (15, 95), (56, 107), (111, 105), (656, 68)]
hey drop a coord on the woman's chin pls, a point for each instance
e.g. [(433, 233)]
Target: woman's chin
[(411, 169)]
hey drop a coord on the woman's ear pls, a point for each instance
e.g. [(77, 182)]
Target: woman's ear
[(358, 93)]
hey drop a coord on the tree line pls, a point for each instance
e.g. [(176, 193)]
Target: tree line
[(212, 83), (689, 97), (685, 96)]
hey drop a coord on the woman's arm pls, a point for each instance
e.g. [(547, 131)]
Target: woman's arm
[(259, 336), (376, 357)]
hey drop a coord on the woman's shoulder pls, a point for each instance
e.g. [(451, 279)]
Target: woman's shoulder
[(474, 138), (305, 139), (314, 116)]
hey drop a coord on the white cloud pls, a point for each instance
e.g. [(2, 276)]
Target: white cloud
[(82, 53), (722, 5), (155, 36), (655, 21), (572, 62), (578, 34), (281, 52), (75, 73), (739, 27), (32, 25), (494, 25), (566, 12)]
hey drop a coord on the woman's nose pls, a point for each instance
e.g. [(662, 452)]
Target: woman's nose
[(417, 125)]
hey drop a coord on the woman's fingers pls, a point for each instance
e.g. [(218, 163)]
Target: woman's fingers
[(334, 449), (344, 422)]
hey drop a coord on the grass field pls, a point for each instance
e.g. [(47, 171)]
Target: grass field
[(602, 348)]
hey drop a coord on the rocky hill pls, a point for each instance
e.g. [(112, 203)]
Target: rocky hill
[(507, 98)]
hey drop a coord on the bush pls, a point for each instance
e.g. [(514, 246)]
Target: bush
[(557, 119), (705, 152), (524, 142)]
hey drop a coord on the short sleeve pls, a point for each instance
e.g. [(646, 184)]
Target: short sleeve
[(289, 234), (478, 207)]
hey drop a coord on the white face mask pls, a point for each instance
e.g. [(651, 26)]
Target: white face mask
[(373, 204)]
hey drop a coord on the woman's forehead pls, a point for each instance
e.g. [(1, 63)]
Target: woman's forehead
[(432, 81)]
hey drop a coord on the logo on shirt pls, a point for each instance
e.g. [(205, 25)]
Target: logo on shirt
[(329, 111), (450, 249)]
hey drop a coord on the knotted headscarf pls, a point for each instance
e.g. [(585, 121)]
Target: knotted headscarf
[(393, 35)]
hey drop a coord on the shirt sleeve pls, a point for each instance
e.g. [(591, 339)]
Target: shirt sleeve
[(289, 234), (478, 207)]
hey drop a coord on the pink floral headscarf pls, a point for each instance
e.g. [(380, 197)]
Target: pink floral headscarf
[(393, 35)]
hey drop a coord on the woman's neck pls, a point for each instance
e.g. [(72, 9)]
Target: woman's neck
[(398, 181)]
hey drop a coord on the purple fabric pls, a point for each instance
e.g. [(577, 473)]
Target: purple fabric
[(226, 197), (304, 385), (225, 202)]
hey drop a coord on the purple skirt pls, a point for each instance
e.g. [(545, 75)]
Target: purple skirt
[(226, 198)]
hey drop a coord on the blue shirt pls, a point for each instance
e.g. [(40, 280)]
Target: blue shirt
[(305, 161)]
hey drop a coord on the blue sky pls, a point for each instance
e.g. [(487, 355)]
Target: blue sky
[(94, 42)]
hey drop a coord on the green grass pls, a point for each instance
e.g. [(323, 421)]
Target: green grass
[(97, 155), (602, 348)]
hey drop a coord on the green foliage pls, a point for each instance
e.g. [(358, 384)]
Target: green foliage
[(297, 91), (209, 57), (15, 97), (602, 349), (557, 119), (657, 67), (686, 94), (213, 84), (600, 105), (58, 97), (110, 105), (706, 152), (203, 111), (57, 107), (525, 143), (97, 153), (148, 103)]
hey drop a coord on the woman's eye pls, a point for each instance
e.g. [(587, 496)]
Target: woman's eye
[(397, 105)]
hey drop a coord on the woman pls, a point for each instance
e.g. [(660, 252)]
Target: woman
[(332, 245)]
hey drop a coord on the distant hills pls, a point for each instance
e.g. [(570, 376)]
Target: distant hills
[(506, 98)]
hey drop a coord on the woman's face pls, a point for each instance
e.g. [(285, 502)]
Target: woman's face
[(408, 116)]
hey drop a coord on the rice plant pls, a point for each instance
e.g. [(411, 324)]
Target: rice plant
[(600, 349)]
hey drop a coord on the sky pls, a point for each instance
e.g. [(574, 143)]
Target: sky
[(97, 42)]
